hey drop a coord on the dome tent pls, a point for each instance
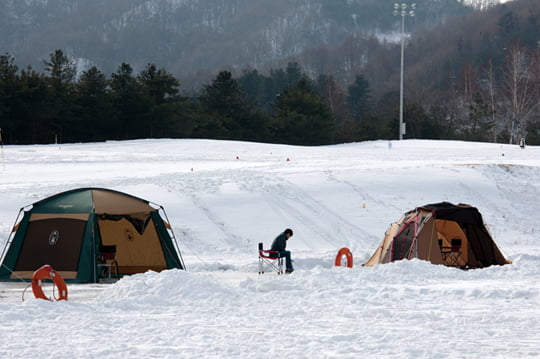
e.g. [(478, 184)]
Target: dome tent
[(442, 233), (68, 231)]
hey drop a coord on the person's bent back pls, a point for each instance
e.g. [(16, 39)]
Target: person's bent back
[(280, 244)]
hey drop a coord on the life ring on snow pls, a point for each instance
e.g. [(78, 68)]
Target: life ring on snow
[(344, 252), (48, 272)]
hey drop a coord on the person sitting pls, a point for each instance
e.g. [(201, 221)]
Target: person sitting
[(279, 245)]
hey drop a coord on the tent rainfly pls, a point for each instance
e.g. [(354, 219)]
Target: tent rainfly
[(71, 230), (442, 233)]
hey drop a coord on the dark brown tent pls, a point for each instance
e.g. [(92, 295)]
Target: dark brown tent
[(442, 233)]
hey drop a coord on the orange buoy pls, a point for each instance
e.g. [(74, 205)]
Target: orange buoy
[(48, 272), (344, 252)]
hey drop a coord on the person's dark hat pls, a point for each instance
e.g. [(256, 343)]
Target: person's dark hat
[(289, 232)]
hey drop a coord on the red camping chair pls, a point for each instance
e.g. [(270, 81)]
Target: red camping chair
[(107, 261), (269, 258)]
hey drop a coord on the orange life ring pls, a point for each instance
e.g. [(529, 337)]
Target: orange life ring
[(48, 272), (347, 253)]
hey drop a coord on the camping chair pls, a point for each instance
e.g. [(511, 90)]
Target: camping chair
[(269, 257), (455, 252), (107, 262)]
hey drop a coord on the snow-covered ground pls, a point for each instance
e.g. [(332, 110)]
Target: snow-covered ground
[(222, 198)]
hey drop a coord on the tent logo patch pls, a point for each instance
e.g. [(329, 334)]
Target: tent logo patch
[(53, 237)]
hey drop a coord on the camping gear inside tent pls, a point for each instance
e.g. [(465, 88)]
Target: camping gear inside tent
[(79, 232), (442, 233)]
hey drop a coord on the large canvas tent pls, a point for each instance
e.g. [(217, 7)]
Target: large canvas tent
[(442, 233), (70, 230)]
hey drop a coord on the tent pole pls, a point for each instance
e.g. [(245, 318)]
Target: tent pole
[(2, 150), (94, 254), (431, 242), (11, 235), (173, 237)]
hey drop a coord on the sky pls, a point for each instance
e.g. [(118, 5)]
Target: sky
[(222, 198)]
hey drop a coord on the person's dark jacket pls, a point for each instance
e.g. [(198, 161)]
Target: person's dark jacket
[(280, 243)]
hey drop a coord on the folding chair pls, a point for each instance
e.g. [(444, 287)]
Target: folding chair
[(270, 258), (455, 252), (107, 262)]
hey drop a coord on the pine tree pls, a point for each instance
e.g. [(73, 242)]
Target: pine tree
[(33, 110), (61, 75), (9, 91), (159, 90), (127, 104), (93, 106), (302, 117), (359, 98), (227, 110)]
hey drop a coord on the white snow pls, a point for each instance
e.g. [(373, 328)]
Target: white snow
[(220, 207)]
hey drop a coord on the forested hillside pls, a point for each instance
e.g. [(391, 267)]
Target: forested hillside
[(472, 76), (193, 37)]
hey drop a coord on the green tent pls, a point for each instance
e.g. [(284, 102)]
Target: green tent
[(82, 231)]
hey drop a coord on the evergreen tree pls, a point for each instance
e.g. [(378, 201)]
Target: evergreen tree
[(61, 70), (333, 96), (419, 123), (481, 124), (386, 115), (127, 104), (252, 83), (159, 86), (61, 75), (9, 91), (302, 117), (226, 109), (160, 94), (93, 106), (359, 98), (33, 109), (293, 74)]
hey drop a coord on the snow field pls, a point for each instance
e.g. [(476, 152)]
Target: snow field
[(220, 207)]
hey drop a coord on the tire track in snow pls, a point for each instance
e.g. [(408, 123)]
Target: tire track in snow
[(363, 194), (520, 187), (292, 200), (191, 187)]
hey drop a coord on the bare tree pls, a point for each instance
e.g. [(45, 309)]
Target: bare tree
[(483, 4), (521, 89), (463, 89), (491, 90)]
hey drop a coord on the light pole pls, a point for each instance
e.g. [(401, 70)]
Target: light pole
[(402, 10), (2, 150)]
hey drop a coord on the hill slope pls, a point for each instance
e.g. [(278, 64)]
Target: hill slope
[(186, 36), (343, 195)]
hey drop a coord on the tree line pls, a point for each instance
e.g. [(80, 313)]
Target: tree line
[(283, 106)]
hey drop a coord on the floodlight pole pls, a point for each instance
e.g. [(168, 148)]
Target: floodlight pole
[(2, 150), (403, 11)]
